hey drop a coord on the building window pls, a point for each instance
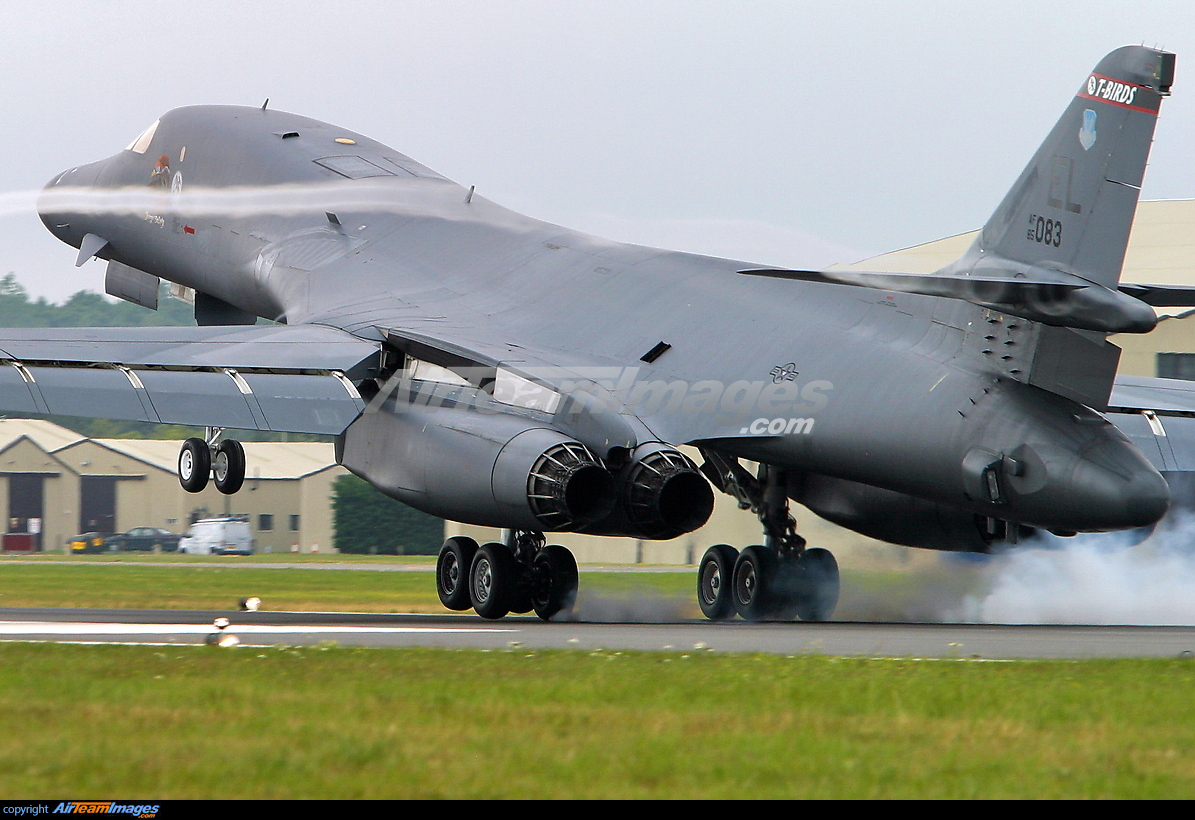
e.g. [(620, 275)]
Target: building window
[(1176, 366), (294, 523), (265, 523)]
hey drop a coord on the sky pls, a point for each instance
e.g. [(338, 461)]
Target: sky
[(783, 133)]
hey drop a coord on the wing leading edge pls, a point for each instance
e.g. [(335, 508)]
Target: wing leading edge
[(296, 379)]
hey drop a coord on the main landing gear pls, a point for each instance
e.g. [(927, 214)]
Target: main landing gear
[(779, 580), (519, 575), (221, 461)]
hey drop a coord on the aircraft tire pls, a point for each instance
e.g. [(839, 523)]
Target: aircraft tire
[(452, 572), (228, 466), (493, 579), (754, 577), (521, 599), (194, 465), (556, 581), (715, 574), (819, 585)]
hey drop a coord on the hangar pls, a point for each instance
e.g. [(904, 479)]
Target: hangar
[(55, 483)]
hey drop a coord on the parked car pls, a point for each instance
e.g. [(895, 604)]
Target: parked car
[(144, 539), (227, 535), (88, 542)]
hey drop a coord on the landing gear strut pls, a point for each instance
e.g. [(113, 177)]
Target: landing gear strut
[(519, 574), (778, 580), (221, 460)]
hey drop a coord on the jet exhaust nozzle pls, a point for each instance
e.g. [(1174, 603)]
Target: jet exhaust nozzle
[(567, 487), (664, 495)]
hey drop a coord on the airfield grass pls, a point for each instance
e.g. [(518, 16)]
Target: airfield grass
[(105, 722), (219, 583), (335, 722), (139, 585), (167, 581)]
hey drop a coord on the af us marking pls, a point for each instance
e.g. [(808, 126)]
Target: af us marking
[(1043, 230)]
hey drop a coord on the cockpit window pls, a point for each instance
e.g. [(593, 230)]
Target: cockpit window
[(142, 142)]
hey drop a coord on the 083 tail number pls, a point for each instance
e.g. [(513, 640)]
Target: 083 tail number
[(1045, 231)]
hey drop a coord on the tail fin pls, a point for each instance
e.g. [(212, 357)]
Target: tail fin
[(1053, 251), (1072, 207)]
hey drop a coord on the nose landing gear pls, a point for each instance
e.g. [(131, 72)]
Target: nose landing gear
[(203, 459)]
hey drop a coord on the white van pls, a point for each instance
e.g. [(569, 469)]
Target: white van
[(227, 535)]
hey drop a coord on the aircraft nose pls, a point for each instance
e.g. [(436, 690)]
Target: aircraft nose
[(58, 207)]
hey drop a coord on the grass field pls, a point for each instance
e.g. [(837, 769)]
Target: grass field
[(145, 581), (114, 721), (104, 722), (218, 584)]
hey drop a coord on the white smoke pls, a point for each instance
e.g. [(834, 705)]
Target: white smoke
[(1091, 579), (600, 604), (414, 198)]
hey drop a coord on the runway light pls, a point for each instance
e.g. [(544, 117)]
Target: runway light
[(221, 638), (220, 623), (250, 604)]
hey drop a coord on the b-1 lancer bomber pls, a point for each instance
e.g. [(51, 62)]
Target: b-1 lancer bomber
[(493, 369)]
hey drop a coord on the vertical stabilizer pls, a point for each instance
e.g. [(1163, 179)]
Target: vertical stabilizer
[(1072, 207)]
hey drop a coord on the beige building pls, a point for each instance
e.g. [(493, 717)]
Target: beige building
[(55, 484)]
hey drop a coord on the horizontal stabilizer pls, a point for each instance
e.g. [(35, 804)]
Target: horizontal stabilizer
[(969, 288), (1165, 397), (1048, 296), (1161, 295)]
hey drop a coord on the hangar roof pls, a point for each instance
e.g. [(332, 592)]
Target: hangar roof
[(45, 434), (266, 459)]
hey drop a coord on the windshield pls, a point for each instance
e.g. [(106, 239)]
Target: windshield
[(142, 142)]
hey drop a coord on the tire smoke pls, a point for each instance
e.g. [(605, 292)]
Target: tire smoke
[(1091, 579)]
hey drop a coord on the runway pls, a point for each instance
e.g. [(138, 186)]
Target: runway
[(961, 641)]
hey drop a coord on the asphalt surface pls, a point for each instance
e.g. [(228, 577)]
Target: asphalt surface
[(985, 641)]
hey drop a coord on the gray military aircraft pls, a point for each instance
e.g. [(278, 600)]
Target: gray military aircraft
[(493, 369)]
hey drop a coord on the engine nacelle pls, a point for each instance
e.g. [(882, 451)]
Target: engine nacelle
[(661, 495), (494, 470)]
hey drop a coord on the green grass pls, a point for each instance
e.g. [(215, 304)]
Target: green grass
[(211, 586), (181, 558), (143, 581), (219, 583), (193, 722)]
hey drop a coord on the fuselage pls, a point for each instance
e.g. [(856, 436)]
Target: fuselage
[(301, 221)]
